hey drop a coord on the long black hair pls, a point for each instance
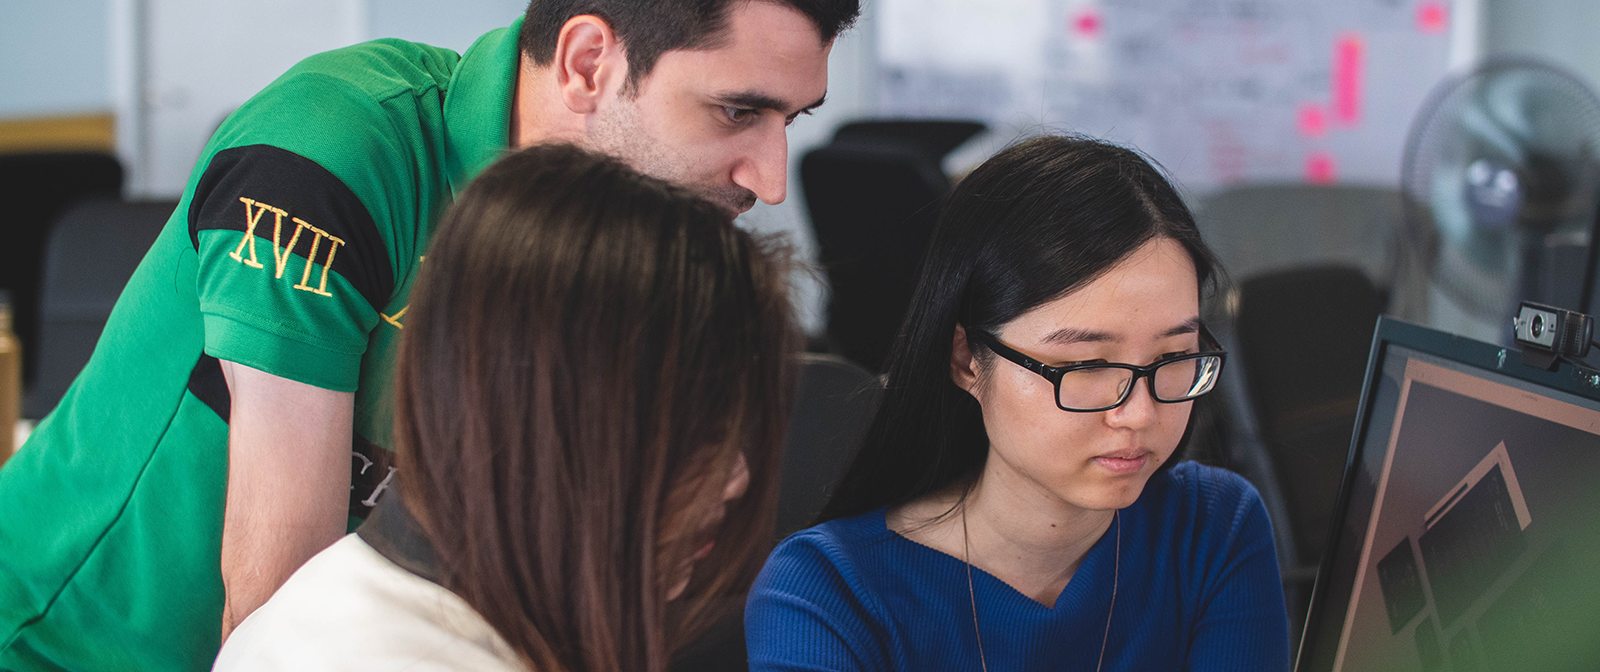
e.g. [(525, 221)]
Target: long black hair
[(1033, 223)]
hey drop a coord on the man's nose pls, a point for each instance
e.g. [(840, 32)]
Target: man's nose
[(765, 172)]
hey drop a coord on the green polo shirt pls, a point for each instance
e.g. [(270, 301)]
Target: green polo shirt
[(293, 252)]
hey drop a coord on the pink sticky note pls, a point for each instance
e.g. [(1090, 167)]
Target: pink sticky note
[(1088, 24), (1320, 168), (1311, 121), (1349, 59), (1432, 17)]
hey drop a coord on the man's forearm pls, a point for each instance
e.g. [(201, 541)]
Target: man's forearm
[(259, 555), (288, 483)]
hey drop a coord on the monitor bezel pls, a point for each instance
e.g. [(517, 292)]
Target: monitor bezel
[(1390, 331)]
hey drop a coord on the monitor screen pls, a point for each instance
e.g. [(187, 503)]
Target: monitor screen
[(1470, 537)]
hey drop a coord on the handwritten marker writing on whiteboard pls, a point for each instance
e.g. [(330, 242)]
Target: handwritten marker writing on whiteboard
[(1349, 58)]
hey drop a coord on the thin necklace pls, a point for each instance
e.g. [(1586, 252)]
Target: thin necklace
[(1116, 573)]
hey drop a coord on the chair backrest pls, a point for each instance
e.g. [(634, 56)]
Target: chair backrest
[(36, 189), (833, 407), (94, 248), (1267, 227), (1303, 337), (872, 194)]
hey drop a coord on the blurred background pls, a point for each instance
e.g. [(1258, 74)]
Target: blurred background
[(1224, 93), (1432, 159)]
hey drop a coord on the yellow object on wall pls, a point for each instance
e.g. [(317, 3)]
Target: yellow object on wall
[(60, 133)]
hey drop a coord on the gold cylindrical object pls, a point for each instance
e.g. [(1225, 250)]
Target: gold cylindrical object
[(10, 381)]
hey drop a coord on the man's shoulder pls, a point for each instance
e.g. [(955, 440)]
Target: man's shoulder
[(364, 123), (382, 68), (342, 101)]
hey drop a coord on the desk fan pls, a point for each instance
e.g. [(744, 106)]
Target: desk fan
[(1501, 183)]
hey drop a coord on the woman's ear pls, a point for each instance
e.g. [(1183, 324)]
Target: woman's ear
[(588, 61), (963, 366)]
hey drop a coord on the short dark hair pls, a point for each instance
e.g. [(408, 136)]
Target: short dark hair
[(588, 353), (1033, 223), (649, 28)]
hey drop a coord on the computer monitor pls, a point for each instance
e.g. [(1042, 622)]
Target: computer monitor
[(1468, 534)]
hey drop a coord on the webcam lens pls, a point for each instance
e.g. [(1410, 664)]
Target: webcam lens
[(1538, 326)]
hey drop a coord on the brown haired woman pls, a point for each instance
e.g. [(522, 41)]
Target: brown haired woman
[(593, 368)]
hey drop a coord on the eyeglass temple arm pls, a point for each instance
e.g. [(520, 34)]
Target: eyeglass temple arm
[(1004, 350)]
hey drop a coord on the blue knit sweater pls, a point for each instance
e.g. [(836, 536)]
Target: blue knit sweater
[(1198, 590)]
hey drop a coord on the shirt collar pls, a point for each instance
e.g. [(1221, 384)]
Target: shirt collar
[(394, 533), (477, 109)]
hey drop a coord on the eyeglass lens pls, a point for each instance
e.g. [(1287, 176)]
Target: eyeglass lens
[(1176, 380)]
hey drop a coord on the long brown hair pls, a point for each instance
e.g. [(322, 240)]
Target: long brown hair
[(587, 353)]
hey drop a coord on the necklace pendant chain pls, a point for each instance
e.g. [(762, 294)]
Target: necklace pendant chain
[(1116, 574)]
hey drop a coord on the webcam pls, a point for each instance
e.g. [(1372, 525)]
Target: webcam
[(1548, 334)]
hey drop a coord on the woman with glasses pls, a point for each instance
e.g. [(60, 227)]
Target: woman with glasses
[(593, 368), (1016, 505)]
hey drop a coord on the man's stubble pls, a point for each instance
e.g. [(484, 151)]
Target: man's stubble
[(620, 132)]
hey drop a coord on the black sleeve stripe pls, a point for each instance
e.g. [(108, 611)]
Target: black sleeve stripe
[(208, 385), (372, 471), (273, 191)]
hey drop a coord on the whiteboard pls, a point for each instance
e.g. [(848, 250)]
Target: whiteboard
[(1220, 92)]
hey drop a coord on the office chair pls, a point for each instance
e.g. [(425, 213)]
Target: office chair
[(834, 404), (833, 408), (1267, 227), (93, 249), (1300, 338), (36, 189), (872, 193)]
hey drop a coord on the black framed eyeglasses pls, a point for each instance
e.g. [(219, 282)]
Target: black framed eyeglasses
[(1090, 388)]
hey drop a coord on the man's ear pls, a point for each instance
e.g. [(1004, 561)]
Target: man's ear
[(588, 62), (963, 366)]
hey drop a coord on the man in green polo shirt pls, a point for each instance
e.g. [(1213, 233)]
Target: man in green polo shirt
[(234, 419)]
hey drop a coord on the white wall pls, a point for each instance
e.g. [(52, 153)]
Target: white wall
[(53, 57), (187, 63), (453, 25), (1564, 32)]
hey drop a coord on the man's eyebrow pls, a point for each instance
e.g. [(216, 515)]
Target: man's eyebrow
[(755, 100), (1070, 335)]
